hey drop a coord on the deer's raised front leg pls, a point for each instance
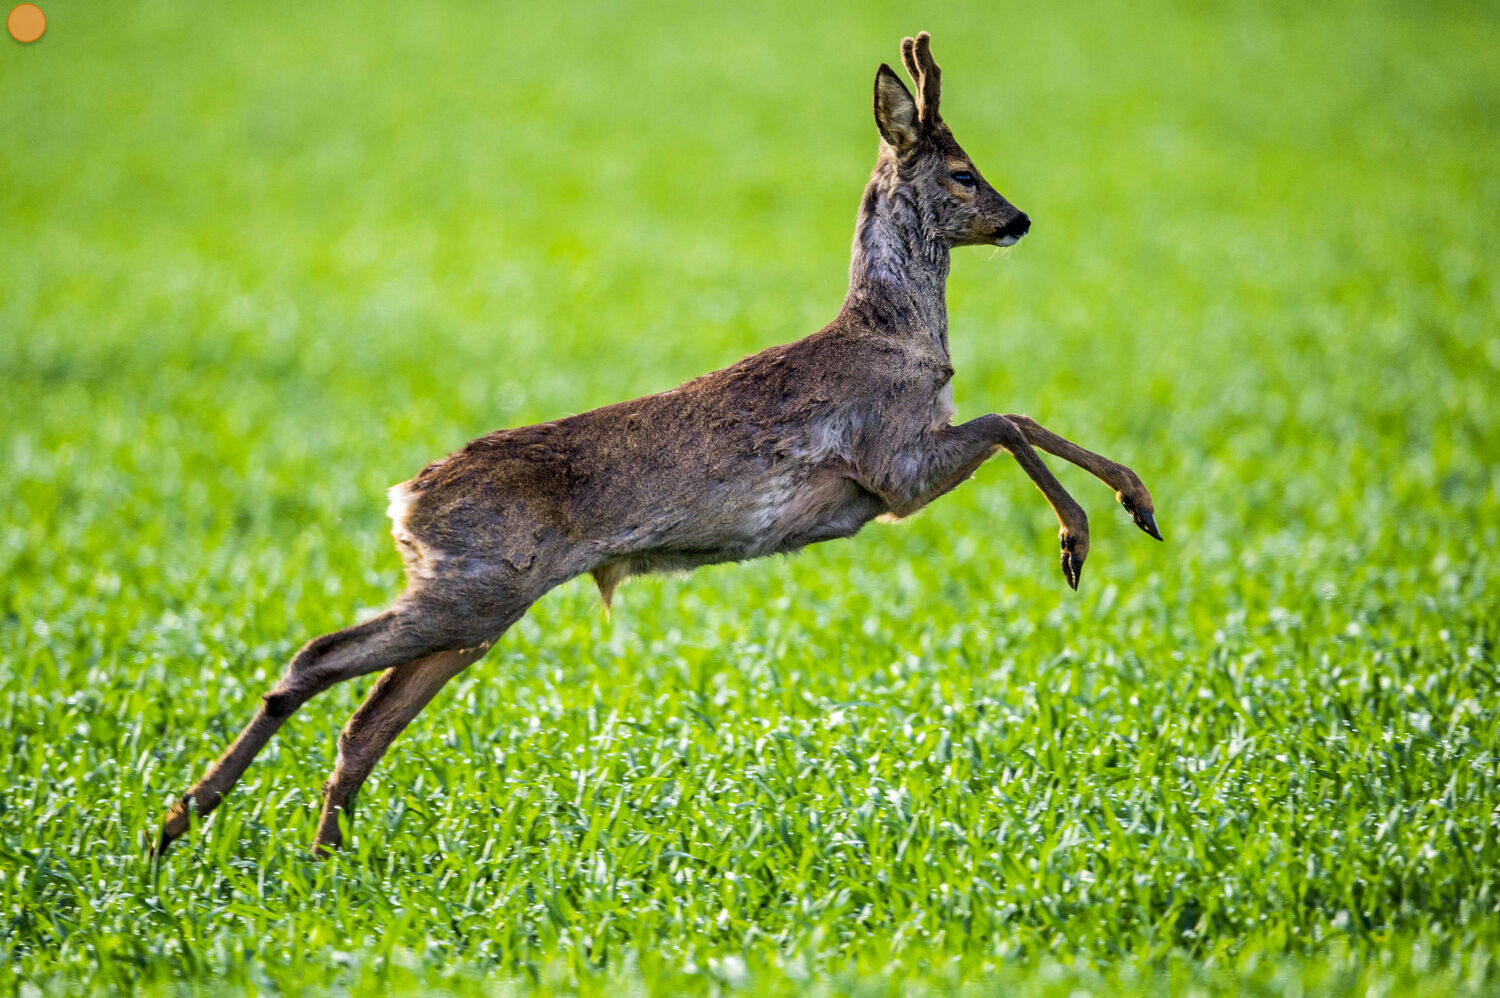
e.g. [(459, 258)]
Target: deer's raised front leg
[(912, 479), (1127, 485)]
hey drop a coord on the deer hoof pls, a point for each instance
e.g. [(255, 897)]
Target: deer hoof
[(1142, 517), (156, 848), (1147, 522), (1072, 564)]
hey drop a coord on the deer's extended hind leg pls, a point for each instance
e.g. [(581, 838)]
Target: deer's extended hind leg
[(1127, 485), (389, 639), (957, 451), (398, 696)]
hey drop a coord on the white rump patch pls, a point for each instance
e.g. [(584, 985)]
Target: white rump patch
[(401, 499), (421, 560)]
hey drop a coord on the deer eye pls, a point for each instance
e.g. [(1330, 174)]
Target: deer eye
[(963, 177)]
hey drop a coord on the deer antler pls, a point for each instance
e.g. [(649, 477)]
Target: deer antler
[(916, 55)]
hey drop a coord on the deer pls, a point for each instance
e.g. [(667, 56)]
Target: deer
[(795, 445)]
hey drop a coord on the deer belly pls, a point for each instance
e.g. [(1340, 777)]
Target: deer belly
[(780, 514), (822, 507)]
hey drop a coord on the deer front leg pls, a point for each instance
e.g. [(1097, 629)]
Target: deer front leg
[(1127, 485), (953, 453)]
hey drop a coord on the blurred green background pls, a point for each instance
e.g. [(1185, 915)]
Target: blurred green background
[(258, 262)]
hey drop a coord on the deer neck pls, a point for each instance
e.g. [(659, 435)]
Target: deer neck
[(898, 276)]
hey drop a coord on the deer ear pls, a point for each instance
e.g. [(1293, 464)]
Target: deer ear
[(895, 110)]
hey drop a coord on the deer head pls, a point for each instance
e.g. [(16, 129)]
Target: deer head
[(956, 205)]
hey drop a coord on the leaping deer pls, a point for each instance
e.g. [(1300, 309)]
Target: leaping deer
[(797, 444)]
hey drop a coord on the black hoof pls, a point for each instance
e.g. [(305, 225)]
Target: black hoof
[(157, 849), (1072, 565), (1142, 519)]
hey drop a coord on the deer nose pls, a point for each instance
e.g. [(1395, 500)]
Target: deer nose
[(1011, 232)]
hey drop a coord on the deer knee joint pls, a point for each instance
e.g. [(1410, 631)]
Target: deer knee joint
[(1005, 432), (1021, 422)]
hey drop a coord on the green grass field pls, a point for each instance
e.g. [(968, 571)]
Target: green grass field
[(257, 264)]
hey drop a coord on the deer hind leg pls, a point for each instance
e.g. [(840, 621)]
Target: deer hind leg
[(393, 637), (504, 595), (1127, 485), (397, 698)]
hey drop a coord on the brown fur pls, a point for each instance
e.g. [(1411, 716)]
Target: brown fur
[(797, 444)]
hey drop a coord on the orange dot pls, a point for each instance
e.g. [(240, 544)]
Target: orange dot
[(26, 22)]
